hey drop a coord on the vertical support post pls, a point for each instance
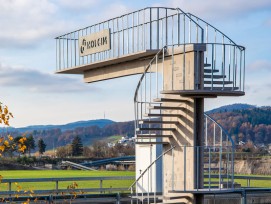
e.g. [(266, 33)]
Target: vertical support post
[(101, 186), (157, 32), (166, 28), (57, 187), (184, 168), (9, 190), (198, 152), (172, 155), (172, 67), (150, 28)]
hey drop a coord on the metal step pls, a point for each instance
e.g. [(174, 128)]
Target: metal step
[(213, 169), (221, 88), (171, 100), (211, 70), (215, 76), (217, 182), (156, 129), (207, 65), (152, 136), (218, 82), (161, 115), (157, 122), (166, 108), (153, 143)]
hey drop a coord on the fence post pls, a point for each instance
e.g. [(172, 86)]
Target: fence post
[(101, 186), (57, 187), (9, 189)]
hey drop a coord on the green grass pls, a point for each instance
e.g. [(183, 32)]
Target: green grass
[(65, 173), (243, 182)]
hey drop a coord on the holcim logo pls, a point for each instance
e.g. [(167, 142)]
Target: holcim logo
[(96, 42), (84, 43)]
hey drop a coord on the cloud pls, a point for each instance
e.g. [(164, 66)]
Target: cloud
[(110, 11), (24, 23), (39, 82), (74, 6), (260, 65), (220, 9)]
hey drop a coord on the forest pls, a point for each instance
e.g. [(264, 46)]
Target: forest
[(252, 124)]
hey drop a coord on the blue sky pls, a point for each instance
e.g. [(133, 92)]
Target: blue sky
[(36, 95)]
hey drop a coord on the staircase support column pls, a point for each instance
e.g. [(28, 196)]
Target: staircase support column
[(199, 143)]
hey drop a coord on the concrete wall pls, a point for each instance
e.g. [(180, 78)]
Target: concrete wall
[(179, 167)]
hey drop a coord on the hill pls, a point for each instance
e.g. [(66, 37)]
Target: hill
[(59, 136), (247, 124), (244, 122), (232, 107), (68, 126)]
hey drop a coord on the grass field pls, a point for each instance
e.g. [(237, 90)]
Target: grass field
[(89, 184), (65, 174)]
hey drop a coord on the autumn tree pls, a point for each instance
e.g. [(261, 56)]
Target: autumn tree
[(7, 144), (77, 146), (41, 146)]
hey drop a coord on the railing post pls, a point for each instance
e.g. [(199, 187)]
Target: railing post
[(101, 186), (184, 166), (57, 187), (9, 190), (172, 170)]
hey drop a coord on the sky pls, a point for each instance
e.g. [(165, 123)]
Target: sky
[(37, 96)]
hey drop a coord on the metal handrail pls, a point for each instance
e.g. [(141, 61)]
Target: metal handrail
[(225, 131), (142, 174), (217, 30), (145, 71)]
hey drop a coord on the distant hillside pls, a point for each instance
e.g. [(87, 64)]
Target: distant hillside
[(232, 107), (56, 136), (68, 126), (247, 124), (244, 122)]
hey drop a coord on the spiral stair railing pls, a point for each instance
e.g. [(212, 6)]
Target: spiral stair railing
[(224, 73)]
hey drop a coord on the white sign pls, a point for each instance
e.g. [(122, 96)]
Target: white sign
[(94, 43)]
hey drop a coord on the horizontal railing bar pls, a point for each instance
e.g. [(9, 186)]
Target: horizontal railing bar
[(240, 177), (118, 17), (62, 191), (67, 179)]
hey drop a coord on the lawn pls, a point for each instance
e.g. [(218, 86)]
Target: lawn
[(66, 174)]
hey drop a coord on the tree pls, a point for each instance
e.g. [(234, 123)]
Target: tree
[(41, 146), (77, 146), (30, 144)]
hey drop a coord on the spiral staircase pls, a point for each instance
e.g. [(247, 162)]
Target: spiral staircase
[(165, 113)]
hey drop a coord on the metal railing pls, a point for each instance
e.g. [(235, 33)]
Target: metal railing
[(138, 185), (13, 192), (146, 29), (151, 83)]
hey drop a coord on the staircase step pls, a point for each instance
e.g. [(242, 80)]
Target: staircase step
[(157, 122), (221, 88), (161, 115), (166, 108), (152, 136), (215, 76), (171, 100), (153, 143), (211, 70), (217, 182), (207, 65), (212, 169), (218, 82), (154, 129)]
